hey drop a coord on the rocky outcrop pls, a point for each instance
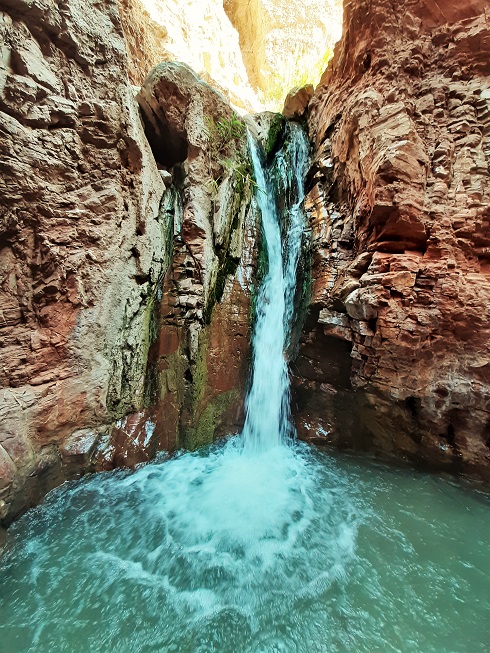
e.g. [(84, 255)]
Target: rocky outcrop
[(200, 358), (297, 101), (81, 246), (88, 225), (395, 353)]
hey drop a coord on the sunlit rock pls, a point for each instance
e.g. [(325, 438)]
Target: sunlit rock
[(296, 102), (196, 32), (285, 43)]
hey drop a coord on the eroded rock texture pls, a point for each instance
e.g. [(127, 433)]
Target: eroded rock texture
[(81, 244), (395, 353), (87, 232), (199, 363)]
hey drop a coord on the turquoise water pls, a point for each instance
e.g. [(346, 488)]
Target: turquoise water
[(290, 550)]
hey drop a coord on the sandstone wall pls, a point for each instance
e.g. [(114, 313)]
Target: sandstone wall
[(87, 233), (284, 43), (252, 51), (395, 352), (199, 360), (81, 244)]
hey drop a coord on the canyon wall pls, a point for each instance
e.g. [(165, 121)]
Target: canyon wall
[(199, 361), (95, 227), (253, 51), (127, 238), (284, 43), (395, 351), (196, 32), (80, 195)]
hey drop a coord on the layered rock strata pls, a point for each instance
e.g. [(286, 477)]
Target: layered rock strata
[(199, 362), (395, 353), (81, 245), (88, 225)]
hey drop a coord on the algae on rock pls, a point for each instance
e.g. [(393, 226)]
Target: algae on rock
[(206, 292)]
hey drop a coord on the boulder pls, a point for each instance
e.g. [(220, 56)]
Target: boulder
[(297, 101)]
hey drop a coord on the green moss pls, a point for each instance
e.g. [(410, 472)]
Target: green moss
[(229, 267), (195, 392), (205, 430), (200, 370), (202, 415), (150, 330), (152, 320), (302, 298), (274, 137)]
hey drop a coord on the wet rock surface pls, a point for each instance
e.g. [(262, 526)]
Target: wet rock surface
[(394, 355), (127, 245)]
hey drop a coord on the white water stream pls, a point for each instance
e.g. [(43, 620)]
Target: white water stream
[(268, 420)]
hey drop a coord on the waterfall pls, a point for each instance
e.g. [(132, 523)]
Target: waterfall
[(286, 550), (268, 421)]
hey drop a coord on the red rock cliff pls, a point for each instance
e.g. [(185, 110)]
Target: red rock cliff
[(81, 242), (396, 349), (87, 233)]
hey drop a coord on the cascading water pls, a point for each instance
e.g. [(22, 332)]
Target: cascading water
[(267, 408), (261, 545)]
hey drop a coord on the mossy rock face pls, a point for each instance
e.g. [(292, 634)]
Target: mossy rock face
[(275, 136), (130, 385), (208, 422), (150, 329), (302, 297), (227, 266), (166, 219), (240, 196), (261, 271), (193, 398)]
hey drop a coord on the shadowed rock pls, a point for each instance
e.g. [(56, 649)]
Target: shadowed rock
[(401, 230)]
